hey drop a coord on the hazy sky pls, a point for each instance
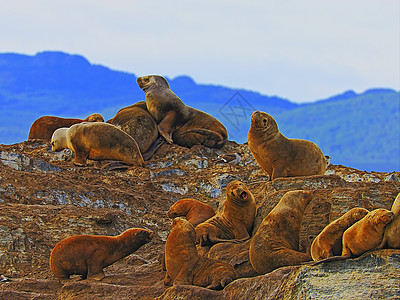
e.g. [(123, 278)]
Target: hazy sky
[(302, 50)]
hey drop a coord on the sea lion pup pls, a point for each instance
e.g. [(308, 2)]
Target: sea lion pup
[(136, 121), (193, 210), (329, 242), (97, 141), (178, 123), (276, 242), (87, 255), (44, 127), (234, 222), (280, 156), (391, 238), (185, 266)]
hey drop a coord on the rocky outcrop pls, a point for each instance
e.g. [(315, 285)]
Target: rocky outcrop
[(375, 275), (45, 198)]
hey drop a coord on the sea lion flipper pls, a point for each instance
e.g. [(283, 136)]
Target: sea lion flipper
[(167, 280), (206, 137), (333, 258), (167, 126), (153, 148), (240, 258), (98, 276), (185, 276)]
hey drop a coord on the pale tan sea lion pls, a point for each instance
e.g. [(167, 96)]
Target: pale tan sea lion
[(139, 124), (234, 222), (280, 156), (87, 255), (177, 122), (194, 211), (44, 127), (276, 242), (185, 266), (97, 141), (329, 242)]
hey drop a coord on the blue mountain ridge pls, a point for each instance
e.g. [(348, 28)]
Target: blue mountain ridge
[(359, 130)]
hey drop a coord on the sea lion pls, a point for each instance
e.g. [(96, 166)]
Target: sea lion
[(97, 141), (87, 255), (234, 222), (391, 238), (366, 234), (185, 266), (194, 211), (280, 156), (329, 242), (136, 121), (276, 242), (177, 122), (44, 127)]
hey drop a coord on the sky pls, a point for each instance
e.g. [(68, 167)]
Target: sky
[(302, 50)]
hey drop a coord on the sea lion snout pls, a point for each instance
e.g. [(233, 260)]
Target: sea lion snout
[(171, 214), (244, 195), (261, 119), (149, 234), (386, 217), (141, 81)]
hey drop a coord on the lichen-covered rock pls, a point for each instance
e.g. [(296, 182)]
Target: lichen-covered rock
[(374, 275)]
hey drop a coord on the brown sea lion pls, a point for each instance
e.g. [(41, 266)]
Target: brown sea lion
[(276, 242), (194, 211), (329, 242), (87, 255), (234, 222), (44, 127), (136, 121), (391, 238), (185, 266), (280, 156), (177, 122), (97, 141)]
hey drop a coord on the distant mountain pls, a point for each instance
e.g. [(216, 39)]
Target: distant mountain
[(359, 130)]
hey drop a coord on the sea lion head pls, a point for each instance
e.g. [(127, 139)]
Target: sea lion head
[(173, 214), (138, 234), (297, 198), (95, 118), (148, 81), (179, 208), (59, 139), (263, 122), (134, 238), (238, 193), (185, 229), (381, 217), (182, 223)]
